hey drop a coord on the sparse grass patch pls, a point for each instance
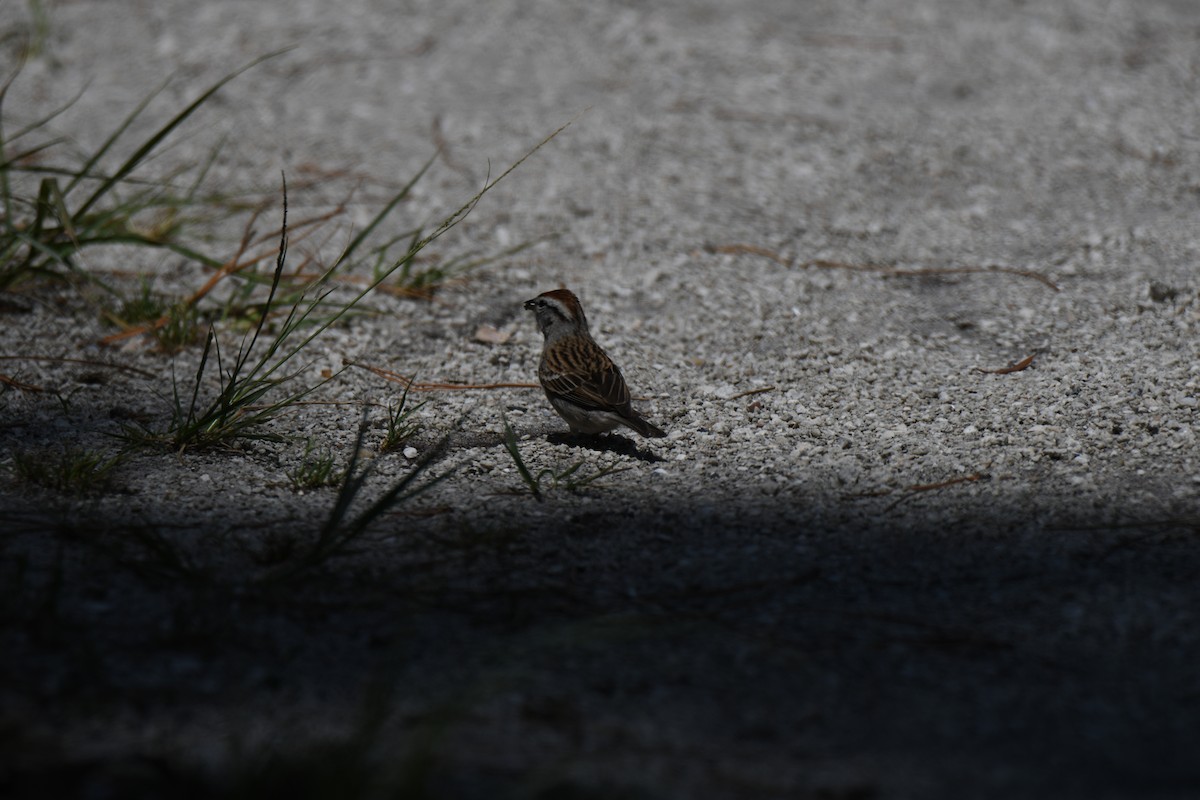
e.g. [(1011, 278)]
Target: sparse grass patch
[(570, 477), (74, 470), (342, 529), (180, 320), (182, 328), (400, 424), (159, 556), (573, 480), (315, 470), (423, 280), (365, 762), (255, 387), (55, 209)]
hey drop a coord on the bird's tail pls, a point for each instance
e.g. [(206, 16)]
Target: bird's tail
[(644, 427)]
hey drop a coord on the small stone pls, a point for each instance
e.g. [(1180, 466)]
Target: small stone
[(410, 453), (490, 334), (1161, 292)]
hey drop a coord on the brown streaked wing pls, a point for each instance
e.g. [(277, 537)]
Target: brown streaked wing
[(579, 371)]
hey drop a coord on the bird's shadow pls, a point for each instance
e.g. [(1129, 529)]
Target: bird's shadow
[(605, 443)]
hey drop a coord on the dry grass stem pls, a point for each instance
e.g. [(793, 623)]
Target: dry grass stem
[(880, 269), (1023, 364), (412, 385)]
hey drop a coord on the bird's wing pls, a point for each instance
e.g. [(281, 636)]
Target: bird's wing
[(579, 371)]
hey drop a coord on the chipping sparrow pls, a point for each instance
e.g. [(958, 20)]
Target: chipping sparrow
[(581, 381)]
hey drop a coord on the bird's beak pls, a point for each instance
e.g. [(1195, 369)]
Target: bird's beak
[(529, 305)]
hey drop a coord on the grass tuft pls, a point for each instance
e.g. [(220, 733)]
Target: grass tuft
[(401, 426), (510, 444), (316, 469), (54, 210), (75, 470), (569, 478), (179, 322), (342, 529), (255, 387)]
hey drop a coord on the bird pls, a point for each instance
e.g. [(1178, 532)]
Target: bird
[(581, 382)]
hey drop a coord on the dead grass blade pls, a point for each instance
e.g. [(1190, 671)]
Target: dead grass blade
[(750, 392), (85, 361), (16, 384), (879, 269), (412, 385), (920, 488), (1023, 364)]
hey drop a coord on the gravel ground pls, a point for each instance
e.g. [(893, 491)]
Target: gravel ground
[(912, 287)]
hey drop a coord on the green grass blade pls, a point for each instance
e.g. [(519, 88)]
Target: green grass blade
[(86, 170), (11, 163), (156, 138), (5, 187), (387, 209), (145, 241), (400, 491), (38, 124), (510, 444), (189, 197), (209, 342)]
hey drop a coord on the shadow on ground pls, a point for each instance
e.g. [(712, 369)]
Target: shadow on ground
[(701, 650)]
